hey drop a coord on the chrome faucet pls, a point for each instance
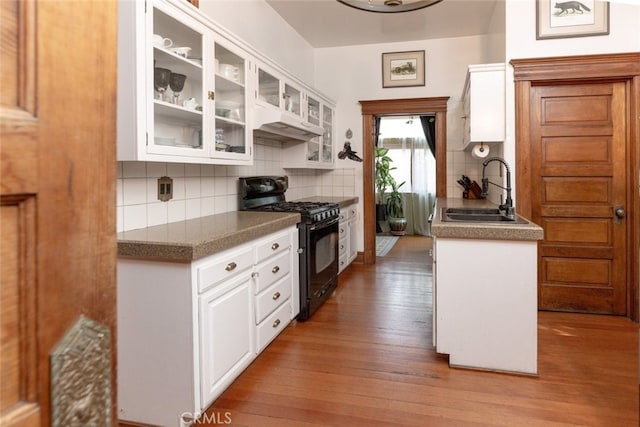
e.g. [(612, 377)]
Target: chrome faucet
[(507, 206)]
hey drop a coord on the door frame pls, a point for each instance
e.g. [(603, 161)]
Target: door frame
[(397, 107), (622, 67)]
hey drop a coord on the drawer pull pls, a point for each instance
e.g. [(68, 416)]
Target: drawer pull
[(276, 296), (275, 246), (231, 266), (276, 323), (275, 269), (342, 230), (341, 247)]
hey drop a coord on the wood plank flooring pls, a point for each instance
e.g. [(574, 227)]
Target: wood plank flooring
[(366, 359)]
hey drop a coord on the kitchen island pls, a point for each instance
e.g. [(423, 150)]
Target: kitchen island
[(485, 291)]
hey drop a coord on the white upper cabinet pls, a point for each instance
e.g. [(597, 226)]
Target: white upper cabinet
[(318, 152), (280, 111), (191, 92), (483, 103), (233, 138), (167, 86)]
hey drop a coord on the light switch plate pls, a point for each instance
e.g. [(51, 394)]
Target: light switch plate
[(165, 189)]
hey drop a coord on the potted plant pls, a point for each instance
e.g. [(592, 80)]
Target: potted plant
[(397, 221), (383, 177)]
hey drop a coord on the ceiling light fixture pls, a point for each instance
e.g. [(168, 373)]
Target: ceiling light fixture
[(389, 6)]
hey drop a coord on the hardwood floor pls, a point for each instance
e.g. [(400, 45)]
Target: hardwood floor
[(366, 359)]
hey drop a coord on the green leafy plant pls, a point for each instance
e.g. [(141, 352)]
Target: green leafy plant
[(383, 173), (394, 200)]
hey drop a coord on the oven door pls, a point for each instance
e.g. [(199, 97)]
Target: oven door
[(322, 259)]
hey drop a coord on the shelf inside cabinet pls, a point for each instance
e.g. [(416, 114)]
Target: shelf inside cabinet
[(177, 112), (223, 83)]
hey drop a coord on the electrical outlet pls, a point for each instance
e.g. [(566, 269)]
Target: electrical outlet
[(165, 189)]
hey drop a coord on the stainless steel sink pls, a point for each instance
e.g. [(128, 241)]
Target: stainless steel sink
[(478, 215), (473, 211)]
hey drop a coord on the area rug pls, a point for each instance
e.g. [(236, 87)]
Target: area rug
[(384, 244)]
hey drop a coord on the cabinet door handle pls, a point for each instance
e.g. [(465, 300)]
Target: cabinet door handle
[(275, 269), (276, 296), (276, 323), (275, 246), (231, 266)]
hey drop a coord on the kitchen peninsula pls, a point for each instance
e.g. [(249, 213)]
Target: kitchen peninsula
[(485, 291)]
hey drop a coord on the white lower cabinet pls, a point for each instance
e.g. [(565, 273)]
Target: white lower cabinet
[(486, 314), (225, 351), (187, 330), (347, 230)]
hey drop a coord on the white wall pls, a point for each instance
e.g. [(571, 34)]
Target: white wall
[(353, 73), (260, 26)]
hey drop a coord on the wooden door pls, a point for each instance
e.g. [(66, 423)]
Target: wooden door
[(578, 154), (57, 194)]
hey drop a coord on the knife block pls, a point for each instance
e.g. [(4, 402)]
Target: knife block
[(469, 195)]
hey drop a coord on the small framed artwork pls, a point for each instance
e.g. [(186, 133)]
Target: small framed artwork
[(562, 19), (401, 69)]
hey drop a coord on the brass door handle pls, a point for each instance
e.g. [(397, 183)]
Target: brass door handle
[(275, 269), (231, 266), (275, 246), (276, 296), (276, 323)]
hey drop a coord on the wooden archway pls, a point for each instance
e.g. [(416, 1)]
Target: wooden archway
[(396, 107)]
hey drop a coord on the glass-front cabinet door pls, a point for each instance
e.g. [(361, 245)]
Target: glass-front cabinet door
[(182, 88), (177, 85), (232, 138), (327, 136), (318, 152), (276, 91), (268, 87), (292, 99)]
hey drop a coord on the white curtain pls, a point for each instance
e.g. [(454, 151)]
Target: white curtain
[(423, 192), (419, 194)]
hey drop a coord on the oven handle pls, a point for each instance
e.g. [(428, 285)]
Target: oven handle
[(323, 225)]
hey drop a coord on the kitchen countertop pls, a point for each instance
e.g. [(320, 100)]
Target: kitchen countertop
[(342, 201), (185, 241), (481, 230)]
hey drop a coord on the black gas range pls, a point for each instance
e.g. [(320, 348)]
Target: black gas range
[(318, 236)]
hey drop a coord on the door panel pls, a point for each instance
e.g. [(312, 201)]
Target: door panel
[(57, 194), (579, 161)]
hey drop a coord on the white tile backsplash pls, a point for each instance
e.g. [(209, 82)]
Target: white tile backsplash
[(201, 190)]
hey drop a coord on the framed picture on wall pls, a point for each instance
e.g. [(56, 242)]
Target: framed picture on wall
[(400, 69), (562, 19)]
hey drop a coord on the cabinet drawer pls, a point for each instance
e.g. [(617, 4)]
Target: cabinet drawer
[(342, 246), (272, 270), (352, 211), (268, 247), (224, 267), (343, 261), (273, 325), (348, 212), (271, 298), (342, 230)]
